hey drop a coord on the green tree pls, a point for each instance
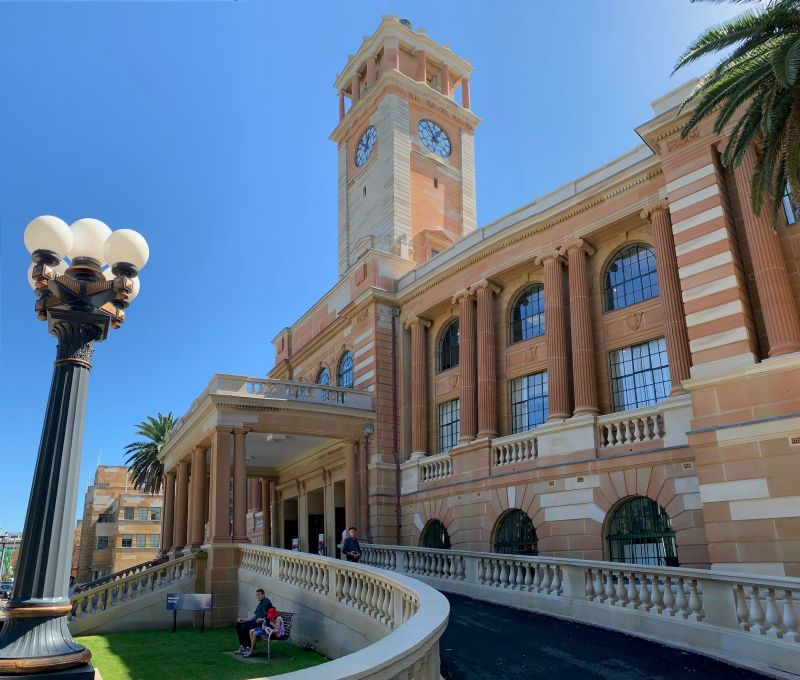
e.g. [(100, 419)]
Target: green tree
[(146, 470), (758, 80)]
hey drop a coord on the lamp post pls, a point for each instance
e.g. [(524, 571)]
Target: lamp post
[(3, 544), (80, 302)]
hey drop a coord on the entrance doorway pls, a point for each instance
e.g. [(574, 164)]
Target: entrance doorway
[(339, 516), (290, 524), (316, 520)]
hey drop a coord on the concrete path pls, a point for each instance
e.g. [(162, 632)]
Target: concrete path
[(488, 642)]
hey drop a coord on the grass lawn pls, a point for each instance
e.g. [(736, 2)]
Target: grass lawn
[(157, 654)]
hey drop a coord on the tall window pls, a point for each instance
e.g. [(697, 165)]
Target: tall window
[(449, 424), (448, 346), (154, 541), (514, 534), (102, 542), (127, 541), (640, 375), (324, 377), (346, 370), (789, 208), (127, 513), (155, 514), (144, 514), (631, 277), (527, 314), (528, 401), (640, 533), (435, 535), (141, 540)]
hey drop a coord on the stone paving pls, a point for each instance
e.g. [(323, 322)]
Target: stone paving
[(488, 642)]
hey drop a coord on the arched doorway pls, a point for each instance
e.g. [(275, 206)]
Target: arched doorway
[(514, 534), (434, 535), (639, 532)]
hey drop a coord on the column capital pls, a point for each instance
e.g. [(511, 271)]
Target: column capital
[(170, 473), (464, 293), (414, 320), (553, 254), (648, 212), (576, 244), (239, 431), (222, 429), (483, 284)]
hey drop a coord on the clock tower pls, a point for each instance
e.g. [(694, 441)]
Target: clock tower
[(406, 147)]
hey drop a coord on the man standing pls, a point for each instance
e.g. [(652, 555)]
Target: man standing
[(350, 547), (243, 627)]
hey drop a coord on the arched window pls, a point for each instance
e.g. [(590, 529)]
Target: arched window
[(514, 534), (527, 314), (448, 346), (324, 376), (631, 277), (639, 532), (435, 535), (346, 370)]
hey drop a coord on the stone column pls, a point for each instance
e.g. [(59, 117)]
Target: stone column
[(419, 386), (444, 76), (181, 506), (168, 514), (769, 268), (580, 314), (556, 337), (259, 495), (239, 486), (669, 286), (350, 485), (465, 93), (422, 66), (371, 71), (466, 364), (219, 491), (487, 380), (341, 106), (266, 511), (198, 497), (391, 53), (355, 89), (302, 518)]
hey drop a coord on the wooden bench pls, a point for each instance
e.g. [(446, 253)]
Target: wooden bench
[(287, 617)]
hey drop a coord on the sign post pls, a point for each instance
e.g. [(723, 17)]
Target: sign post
[(189, 602)]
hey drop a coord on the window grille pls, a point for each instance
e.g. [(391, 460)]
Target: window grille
[(434, 535), (528, 401), (631, 277), (515, 534), (346, 370), (640, 375), (527, 314), (640, 533), (449, 424), (448, 346)]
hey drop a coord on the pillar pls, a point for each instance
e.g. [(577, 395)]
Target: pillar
[(355, 89), (239, 486), (350, 485), (302, 518), (391, 53), (487, 380), (465, 93), (583, 364), (419, 386), (769, 268), (444, 76), (466, 366), (181, 505), (219, 491), (556, 337), (341, 106), (266, 511), (669, 286), (422, 66), (371, 71), (168, 515), (198, 482)]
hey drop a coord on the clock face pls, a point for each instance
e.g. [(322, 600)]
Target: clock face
[(365, 146), (433, 137)]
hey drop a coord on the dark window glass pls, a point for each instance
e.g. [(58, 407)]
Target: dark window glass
[(449, 424), (435, 535), (103, 518), (640, 533), (324, 377), (515, 535), (155, 514), (527, 314), (528, 401), (127, 541), (128, 513), (640, 375), (102, 542), (448, 346), (144, 514), (789, 207), (631, 277), (346, 370)]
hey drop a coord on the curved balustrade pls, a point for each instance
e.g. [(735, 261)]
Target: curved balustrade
[(706, 611), (410, 615), (434, 468)]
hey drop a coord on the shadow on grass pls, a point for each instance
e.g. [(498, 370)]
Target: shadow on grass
[(188, 653)]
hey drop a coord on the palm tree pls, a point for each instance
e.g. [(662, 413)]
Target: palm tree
[(145, 468), (760, 76)]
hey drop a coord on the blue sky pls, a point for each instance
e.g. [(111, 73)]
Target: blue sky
[(205, 126)]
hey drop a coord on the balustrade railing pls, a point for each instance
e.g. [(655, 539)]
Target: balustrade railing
[(118, 575), (757, 615), (630, 427), (434, 468), (515, 449)]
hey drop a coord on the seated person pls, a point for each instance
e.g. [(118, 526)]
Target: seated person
[(243, 627), (272, 627)]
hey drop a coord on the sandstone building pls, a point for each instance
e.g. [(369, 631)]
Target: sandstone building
[(610, 372), (120, 528)]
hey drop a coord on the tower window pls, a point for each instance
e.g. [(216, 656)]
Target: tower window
[(789, 208)]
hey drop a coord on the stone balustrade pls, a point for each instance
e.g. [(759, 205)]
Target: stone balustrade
[(402, 618), (630, 427), (514, 449), (435, 468), (750, 619)]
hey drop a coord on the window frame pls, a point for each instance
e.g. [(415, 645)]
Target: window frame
[(789, 207), (543, 381), (512, 515), (448, 431), (430, 530), (324, 372), (653, 545), (104, 540), (126, 538), (342, 370), (610, 298), (128, 510), (615, 379), (527, 290), (451, 355)]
